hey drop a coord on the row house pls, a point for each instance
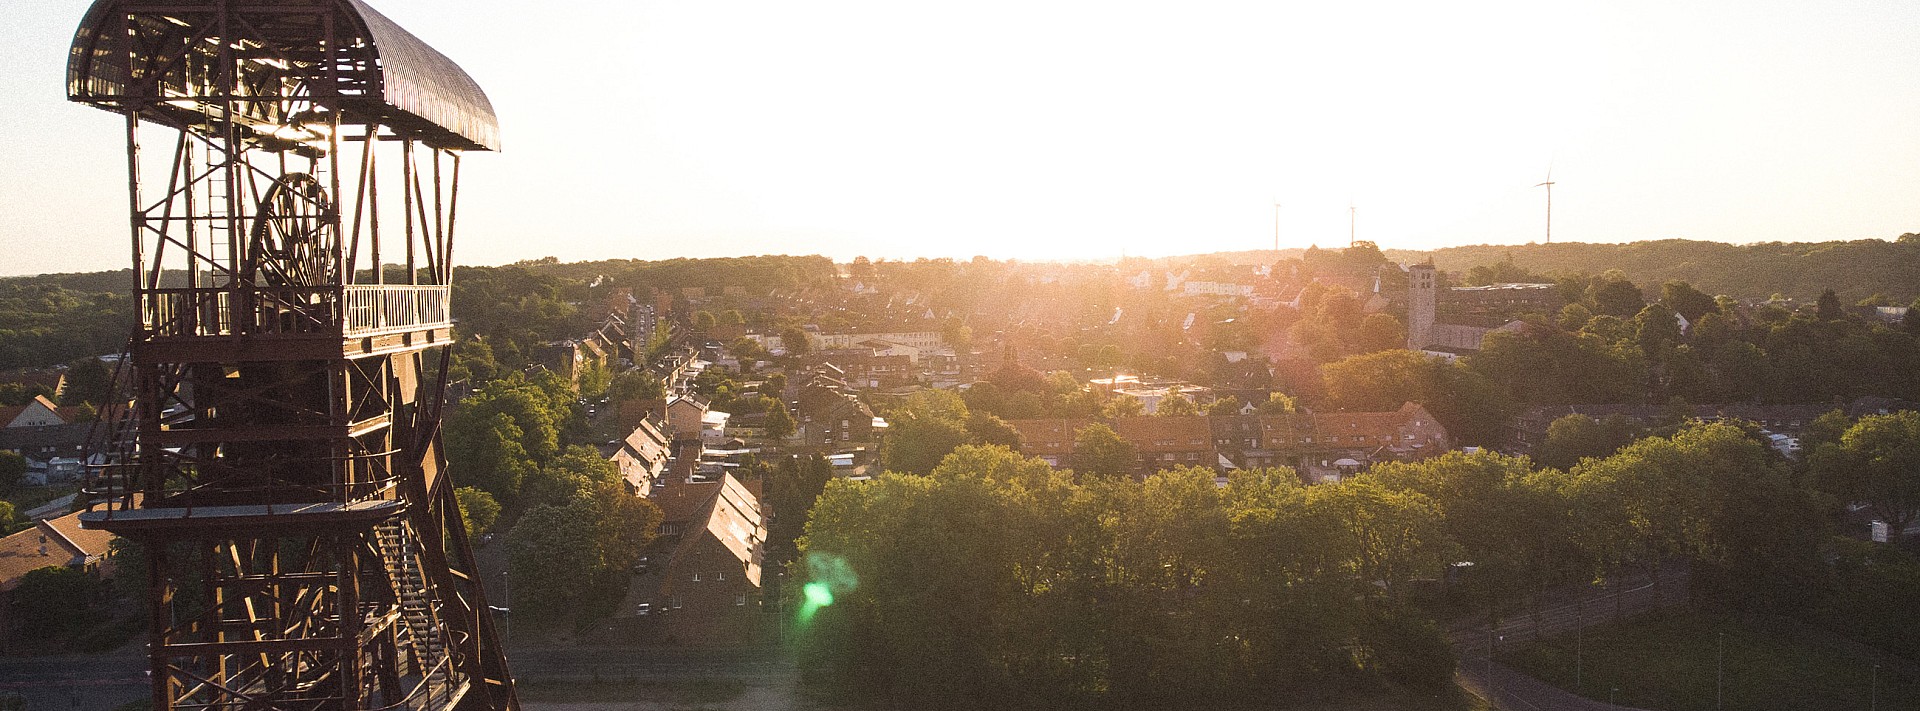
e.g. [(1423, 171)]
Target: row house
[(706, 588), (641, 457), (1159, 442), (1328, 446), (49, 436)]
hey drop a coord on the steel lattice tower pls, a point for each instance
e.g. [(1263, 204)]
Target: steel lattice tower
[(281, 461)]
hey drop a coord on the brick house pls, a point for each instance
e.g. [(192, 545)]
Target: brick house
[(642, 457), (710, 586), (58, 542)]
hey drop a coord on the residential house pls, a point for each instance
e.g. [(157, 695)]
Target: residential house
[(642, 457), (709, 586), (38, 412), (1332, 445), (58, 542), (1167, 442), (48, 436), (686, 416), (831, 417)]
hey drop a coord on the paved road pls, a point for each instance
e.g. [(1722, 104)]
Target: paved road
[(647, 664), (1509, 690), (75, 681), (107, 681)]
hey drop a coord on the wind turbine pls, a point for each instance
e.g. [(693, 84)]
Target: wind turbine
[(1549, 185), (1276, 229), (1352, 220)]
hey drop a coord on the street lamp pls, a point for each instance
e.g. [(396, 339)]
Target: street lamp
[(1873, 690), (506, 623), (1720, 675)]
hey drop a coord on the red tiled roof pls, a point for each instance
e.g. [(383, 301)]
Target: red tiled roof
[(56, 542), (1155, 433)]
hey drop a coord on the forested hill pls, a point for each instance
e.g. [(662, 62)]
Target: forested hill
[(1855, 270)]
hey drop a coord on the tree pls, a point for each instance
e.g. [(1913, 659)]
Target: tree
[(592, 380), (1398, 533), (13, 468), (917, 444), (1612, 294), (552, 560), (478, 509), (486, 452), (1712, 494), (704, 321), (780, 424), (1098, 451), (1379, 332), (52, 602), (9, 518), (1122, 406), (575, 473), (1574, 317), (537, 409), (1176, 406), (1877, 462), (1473, 408), (562, 555), (1656, 331), (1826, 429), (1829, 308), (1229, 405), (636, 385), (1575, 437), (88, 381), (1687, 301), (1277, 403), (794, 341), (1509, 522), (792, 487), (985, 428)]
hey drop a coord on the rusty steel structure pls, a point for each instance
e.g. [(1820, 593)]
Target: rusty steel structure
[(293, 170)]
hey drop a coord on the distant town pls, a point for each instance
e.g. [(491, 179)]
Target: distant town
[(643, 448)]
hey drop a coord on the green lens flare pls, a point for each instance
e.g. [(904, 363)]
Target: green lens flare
[(818, 595), (828, 575)]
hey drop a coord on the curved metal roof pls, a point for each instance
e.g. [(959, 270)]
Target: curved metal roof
[(337, 54)]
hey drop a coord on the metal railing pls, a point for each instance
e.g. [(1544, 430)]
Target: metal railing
[(348, 311), (375, 309)]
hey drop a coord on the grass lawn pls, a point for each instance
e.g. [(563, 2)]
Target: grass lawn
[(1667, 662), (692, 691)]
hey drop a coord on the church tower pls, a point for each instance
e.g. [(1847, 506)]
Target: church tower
[(1422, 293)]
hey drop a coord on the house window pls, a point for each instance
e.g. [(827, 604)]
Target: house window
[(1407, 437), (720, 576), (696, 577), (674, 602), (1168, 456), (740, 600)]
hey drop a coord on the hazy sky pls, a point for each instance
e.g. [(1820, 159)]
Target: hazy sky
[(1038, 129)]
